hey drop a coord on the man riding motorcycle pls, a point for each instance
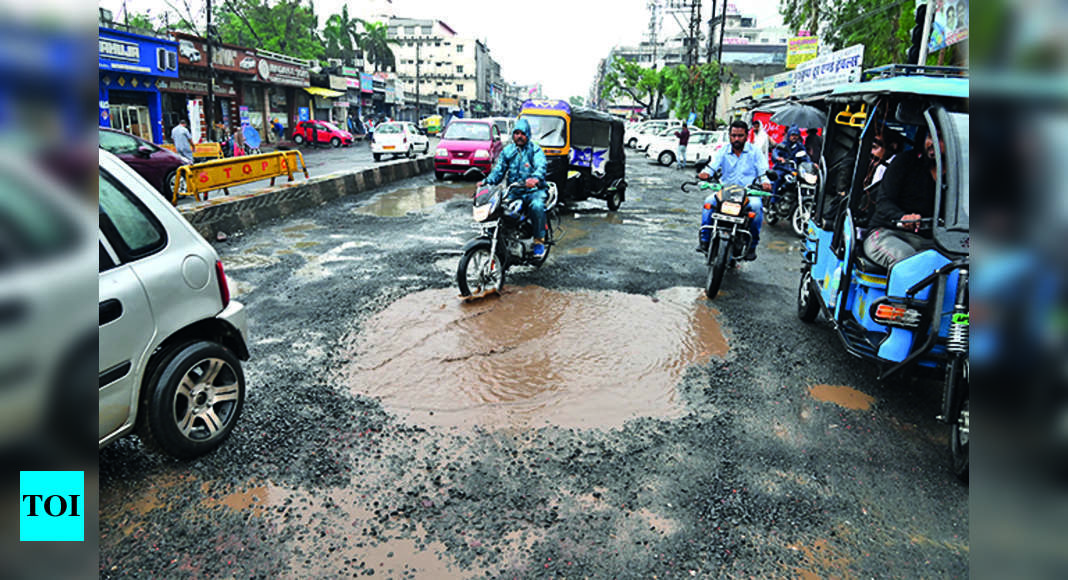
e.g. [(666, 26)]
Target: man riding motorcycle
[(523, 160), (740, 164), (787, 151)]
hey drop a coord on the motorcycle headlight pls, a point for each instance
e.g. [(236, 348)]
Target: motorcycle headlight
[(481, 154), (441, 153), (810, 178), (731, 208)]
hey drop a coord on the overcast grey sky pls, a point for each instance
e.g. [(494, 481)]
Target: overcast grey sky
[(555, 42)]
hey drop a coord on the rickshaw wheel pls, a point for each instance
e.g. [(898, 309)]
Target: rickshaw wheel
[(807, 307), (960, 421), (615, 200)]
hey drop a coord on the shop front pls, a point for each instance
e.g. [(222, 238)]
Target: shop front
[(131, 66), (187, 97), (275, 92)]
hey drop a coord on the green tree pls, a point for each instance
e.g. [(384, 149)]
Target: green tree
[(284, 26), (692, 88), (342, 36), (576, 101), (375, 45), (643, 85), (882, 27)]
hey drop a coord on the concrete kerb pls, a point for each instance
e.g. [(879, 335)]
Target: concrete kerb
[(228, 214)]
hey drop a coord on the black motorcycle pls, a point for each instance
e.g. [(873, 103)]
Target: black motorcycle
[(506, 238), (729, 238), (797, 193)]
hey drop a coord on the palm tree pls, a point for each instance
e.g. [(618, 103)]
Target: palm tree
[(375, 43), (342, 36)]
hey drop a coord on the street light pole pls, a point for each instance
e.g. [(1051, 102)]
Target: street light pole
[(209, 108), (417, 96)]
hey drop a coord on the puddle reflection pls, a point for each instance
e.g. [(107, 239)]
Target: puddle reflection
[(400, 202)]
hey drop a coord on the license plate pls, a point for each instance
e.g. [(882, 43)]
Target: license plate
[(389, 146), (728, 218), (461, 162)]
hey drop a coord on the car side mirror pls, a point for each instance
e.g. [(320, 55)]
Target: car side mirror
[(144, 151)]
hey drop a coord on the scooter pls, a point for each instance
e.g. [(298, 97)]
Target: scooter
[(506, 239)]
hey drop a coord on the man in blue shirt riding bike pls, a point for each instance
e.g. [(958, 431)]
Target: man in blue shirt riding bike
[(740, 164)]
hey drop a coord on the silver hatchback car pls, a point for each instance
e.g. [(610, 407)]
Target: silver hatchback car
[(171, 339)]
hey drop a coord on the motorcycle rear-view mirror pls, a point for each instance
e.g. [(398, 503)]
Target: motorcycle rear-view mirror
[(772, 175), (700, 165)]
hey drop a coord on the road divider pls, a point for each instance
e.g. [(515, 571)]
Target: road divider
[(238, 212), (199, 178)]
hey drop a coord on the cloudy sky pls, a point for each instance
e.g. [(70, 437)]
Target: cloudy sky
[(555, 42)]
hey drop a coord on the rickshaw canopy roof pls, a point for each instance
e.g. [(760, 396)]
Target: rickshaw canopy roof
[(953, 88)]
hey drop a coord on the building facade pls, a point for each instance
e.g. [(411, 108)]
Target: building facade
[(131, 68)]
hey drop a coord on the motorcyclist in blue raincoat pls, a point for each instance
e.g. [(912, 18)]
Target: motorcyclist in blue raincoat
[(523, 160), (786, 151)]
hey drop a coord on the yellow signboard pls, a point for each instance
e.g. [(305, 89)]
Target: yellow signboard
[(801, 49)]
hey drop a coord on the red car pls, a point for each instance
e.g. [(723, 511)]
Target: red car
[(157, 165), (319, 132), (468, 146)]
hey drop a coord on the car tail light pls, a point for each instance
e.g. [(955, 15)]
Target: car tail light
[(224, 286)]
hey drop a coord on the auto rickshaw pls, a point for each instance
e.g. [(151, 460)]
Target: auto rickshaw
[(596, 162), (431, 124), (913, 318), (550, 126)]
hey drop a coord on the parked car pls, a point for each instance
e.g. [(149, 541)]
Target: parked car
[(158, 166), (703, 144), (398, 139), (630, 137), (467, 146), (171, 340), (320, 132), (644, 139)]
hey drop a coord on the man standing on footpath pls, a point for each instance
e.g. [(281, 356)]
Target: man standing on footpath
[(183, 140)]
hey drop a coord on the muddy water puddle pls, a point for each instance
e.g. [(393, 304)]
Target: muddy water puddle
[(533, 356), (842, 396), (400, 202)]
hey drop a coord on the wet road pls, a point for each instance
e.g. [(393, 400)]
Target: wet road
[(601, 419)]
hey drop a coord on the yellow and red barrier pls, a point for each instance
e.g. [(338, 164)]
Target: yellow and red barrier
[(201, 150), (225, 173)]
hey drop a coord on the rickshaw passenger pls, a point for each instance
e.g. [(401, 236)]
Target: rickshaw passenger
[(523, 160), (905, 197), (740, 164)]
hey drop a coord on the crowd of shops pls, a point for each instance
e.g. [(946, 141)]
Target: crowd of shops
[(149, 83)]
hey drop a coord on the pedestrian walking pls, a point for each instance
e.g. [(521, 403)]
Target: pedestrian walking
[(760, 138), (183, 140)]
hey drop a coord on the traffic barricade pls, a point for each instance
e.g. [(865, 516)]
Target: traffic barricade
[(229, 172), (200, 150)]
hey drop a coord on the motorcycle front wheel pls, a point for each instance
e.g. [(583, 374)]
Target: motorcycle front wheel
[(799, 220), (718, 254), (477, 273)]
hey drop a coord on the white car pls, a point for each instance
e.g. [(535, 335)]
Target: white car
[(247, 63), (189, 50), (631, 134), (171, 340), (644, 139), (399, 138), (702, 145)]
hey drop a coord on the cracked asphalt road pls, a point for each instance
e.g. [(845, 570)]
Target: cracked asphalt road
[(782, 457)]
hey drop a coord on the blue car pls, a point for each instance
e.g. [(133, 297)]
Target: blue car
[(911, 315)]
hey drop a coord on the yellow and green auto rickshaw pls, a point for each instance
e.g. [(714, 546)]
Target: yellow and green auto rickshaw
[(431, 124)]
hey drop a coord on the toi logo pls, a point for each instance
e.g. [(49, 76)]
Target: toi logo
[(52, 506)]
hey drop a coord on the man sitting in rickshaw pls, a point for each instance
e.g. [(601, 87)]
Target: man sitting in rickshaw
[(906, 198), (523, 160)]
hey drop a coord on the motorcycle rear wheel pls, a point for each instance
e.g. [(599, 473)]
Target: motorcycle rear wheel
[(477, 274), (718, 254)]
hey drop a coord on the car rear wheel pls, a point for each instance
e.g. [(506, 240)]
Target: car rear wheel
[(411, 152), (168, 182), (193, 400), (666, 158), (298, 139), (632, 143), (378, 156)]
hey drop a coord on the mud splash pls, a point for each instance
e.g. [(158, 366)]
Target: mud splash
[(533, 356), (401, 202), (842, 396)]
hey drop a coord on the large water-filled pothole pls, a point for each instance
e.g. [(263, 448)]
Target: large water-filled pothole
[(400, 202), (533, 356)]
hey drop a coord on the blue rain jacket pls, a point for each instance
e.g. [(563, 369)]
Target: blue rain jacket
[(789, 150), (520, 163)]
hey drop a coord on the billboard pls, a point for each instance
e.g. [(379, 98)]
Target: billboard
[(949, 23), (801, 49), (830, 70)]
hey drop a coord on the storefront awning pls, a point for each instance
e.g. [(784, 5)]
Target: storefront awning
[(326, 93)]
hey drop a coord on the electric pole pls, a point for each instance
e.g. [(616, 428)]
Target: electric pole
[(417, 44), (209, 108), (693, 52)]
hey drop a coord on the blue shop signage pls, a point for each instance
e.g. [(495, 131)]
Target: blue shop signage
[(132, 53)]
